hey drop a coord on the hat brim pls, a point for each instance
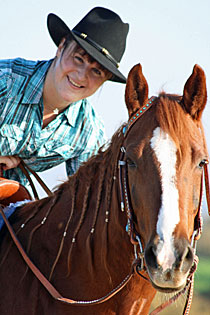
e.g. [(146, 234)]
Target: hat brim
[(58, 30)]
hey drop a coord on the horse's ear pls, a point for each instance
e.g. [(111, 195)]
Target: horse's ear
[(136, 92), (195, 93)]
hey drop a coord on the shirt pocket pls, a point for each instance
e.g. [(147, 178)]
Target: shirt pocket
[(11, 139), (62, 149)]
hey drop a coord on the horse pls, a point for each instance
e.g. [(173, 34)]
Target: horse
[(132, 206)]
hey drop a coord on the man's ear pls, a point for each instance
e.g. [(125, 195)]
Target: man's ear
[(60, 47)]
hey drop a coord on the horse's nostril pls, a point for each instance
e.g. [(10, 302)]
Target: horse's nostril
[(185, 260), (150, 256), (189, 255)]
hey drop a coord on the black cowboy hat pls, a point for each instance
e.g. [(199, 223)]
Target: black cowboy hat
[(101, 33)]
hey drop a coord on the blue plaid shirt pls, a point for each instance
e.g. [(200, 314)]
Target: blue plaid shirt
[(73, 136)]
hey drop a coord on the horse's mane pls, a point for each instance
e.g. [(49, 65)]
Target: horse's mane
[(104, 164)]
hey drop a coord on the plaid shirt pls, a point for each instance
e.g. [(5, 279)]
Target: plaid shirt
[(73, 136)]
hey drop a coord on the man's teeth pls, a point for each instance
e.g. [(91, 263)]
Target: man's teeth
[(74, 83)]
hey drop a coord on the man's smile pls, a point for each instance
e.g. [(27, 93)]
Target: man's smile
[(74, 83)]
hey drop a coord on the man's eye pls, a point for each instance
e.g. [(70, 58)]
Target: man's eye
[(97, 71), (78, 58)]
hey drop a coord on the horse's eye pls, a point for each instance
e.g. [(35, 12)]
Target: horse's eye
[(203, 162), (130, 163)]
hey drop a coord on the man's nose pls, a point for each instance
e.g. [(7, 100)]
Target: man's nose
[(83, 72)]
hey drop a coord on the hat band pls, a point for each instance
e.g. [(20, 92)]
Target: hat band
[(103, 50)]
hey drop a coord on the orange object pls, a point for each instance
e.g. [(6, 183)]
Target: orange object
[(12, 191)]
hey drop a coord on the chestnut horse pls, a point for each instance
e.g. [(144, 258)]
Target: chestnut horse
[(83, 241)]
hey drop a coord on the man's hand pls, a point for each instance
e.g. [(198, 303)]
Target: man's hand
[(9, 162)]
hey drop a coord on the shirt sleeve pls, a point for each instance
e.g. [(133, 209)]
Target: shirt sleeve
[(73, 164), (5, 80)]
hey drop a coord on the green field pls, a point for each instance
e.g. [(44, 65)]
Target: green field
[(202, 277)]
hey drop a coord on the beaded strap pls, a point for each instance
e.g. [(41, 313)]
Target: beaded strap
[(137, 115)]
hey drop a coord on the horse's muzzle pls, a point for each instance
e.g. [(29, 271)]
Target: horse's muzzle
[(168, 267)]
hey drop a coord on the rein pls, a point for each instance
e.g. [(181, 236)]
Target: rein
[(26, 170), (48, 286), (135, 239)]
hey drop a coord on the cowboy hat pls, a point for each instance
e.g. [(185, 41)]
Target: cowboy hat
[(101, 33)]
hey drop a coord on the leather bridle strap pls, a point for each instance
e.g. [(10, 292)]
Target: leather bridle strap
[(206, 177), (48, 286), (26, 169)]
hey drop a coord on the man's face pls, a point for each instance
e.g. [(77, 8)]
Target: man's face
[(76, 77)]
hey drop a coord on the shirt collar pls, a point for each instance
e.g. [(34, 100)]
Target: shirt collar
[(34, 88)]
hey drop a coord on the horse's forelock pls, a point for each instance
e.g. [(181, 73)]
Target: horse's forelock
[(173, 119)]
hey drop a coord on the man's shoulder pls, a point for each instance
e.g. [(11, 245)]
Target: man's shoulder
[(19, 66)]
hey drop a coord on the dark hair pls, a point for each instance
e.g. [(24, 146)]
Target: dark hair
[(77, 48)]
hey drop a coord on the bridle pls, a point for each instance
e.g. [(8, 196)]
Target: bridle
[(135, 238), (125, 202)]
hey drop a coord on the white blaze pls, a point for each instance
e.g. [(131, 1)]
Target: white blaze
[(165, 151)]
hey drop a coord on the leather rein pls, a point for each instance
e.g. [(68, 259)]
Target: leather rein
[(138, 263)]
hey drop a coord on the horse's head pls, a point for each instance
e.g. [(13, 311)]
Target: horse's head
[(165, 153)]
